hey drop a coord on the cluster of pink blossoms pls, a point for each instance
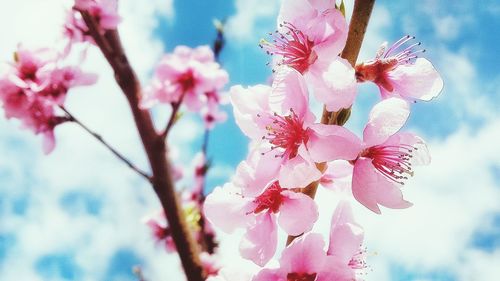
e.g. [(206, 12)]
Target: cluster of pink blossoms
[(34, 86), (191, 77), (287, 144), (103, 13)]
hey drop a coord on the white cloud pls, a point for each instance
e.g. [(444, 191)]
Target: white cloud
[(244, 24)]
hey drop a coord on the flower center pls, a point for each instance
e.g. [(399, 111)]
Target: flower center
[(387, 60), (358, 261), (292, 45), (270, 199), (286, 132), (186, 81), (392, 161), (301, 276)]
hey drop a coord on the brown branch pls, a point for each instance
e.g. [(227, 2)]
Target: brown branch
[(110, 44), (100, 139), (357, 28)]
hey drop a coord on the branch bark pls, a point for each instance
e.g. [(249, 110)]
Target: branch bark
[(154, 145), (357, 29)]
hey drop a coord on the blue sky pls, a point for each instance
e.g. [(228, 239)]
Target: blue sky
[(64, 218)]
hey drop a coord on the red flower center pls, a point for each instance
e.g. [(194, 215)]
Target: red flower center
[(286, 132), (186, 81), (271, 199), (392, 161), (301, 276), (293, 46)]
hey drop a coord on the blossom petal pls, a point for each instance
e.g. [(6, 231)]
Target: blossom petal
[(226, 209), (338, 176), (270, 275), (420, 153), (331, 142), (346, 236), (305, 254), (418, 81), (386, 118), (289, 91), (250, 108), (298, 213), (331, 38), (371, 188), (298, 171), (335, 270), (298, 12), (260, 241), (334, 83)]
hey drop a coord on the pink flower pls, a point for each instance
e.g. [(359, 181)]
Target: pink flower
[(338, 176), (55, 83), (310, 36), (402, 73), (105, 12), (161, 231), (190, 76), (229, 208), (386, 159), (280, 123), (305, 258), (211, 112), (75, 30), (33, 86), (210, 264)]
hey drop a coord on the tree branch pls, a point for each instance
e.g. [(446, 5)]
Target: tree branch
[(100, 139), (357, 28), (154, 145)]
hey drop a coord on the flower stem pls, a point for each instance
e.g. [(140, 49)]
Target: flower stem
[(154, 145), (100, 139), (357, 28)]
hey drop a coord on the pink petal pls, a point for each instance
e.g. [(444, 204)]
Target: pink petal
[(329, 32), (270, 275), (335, 270), (289, 91), (421, 155), (297, 12), (386, 118), (260, 241), (248, 104), (334, 83), (49, 142), (346, 236), (331, 142), (418, 81), (298, 213), (226, 209), (338, 176), (306, 254), (253, 174), (371, 188), (298, 171)]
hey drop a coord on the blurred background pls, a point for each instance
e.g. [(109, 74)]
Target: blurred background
[(76, 214)]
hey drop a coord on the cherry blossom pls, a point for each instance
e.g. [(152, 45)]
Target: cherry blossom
[(279, 119), (228, 208), (104, 12), (400, 72), (305, 259), (188, 76), (387, 157), (34, 85), (310, 36)]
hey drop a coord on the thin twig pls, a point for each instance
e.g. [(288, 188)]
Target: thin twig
[(100, 139)]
